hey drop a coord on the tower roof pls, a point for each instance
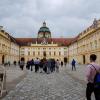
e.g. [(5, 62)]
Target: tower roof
[(44, 28)]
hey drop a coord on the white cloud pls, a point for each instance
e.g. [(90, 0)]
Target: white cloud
[(23, 18)]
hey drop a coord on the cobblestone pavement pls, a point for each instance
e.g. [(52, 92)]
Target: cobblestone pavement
[(41, 86)]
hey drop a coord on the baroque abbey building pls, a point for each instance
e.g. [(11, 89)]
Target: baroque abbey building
[(79, 47)]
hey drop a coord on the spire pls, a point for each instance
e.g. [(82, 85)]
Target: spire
[(44, 24)]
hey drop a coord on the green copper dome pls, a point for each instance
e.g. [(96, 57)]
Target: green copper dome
[(44, 31), (44, 28)]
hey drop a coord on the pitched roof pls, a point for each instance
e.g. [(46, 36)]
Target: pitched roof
[(25, 41), (62, 41), (59, 41)]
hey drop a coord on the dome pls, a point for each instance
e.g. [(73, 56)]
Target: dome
[(44, 31), (44, 28)]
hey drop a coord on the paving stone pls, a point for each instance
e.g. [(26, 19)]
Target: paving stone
[(54, 86)]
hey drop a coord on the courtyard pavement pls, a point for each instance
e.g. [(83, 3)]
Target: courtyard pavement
[(13, 72), (13, 76), (65, 85), (79, 74)]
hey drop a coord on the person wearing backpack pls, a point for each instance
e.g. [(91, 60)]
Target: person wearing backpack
[(91, 72)]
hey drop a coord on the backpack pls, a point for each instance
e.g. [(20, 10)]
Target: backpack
[(96, 79)]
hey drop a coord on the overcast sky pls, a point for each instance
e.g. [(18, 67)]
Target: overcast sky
[(65, 18)]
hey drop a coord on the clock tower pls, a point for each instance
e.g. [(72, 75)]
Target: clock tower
[(44, 31)]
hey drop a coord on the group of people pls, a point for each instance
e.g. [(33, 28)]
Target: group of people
[(42, 65), (46, 65)]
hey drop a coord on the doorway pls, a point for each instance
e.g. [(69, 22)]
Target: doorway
[(22, 59), (65, 59), (44, 53), (83, 59), (3, 59)]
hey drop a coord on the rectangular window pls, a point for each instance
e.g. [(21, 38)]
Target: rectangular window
[(29, 53), (44, 48), (91, 45), (59, 53), (33, 53), (99, 43), (50, 53), (95, 42), (54, 53), (38, 53)]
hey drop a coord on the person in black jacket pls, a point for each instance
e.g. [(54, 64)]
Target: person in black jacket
[(31, 64), (61, 63)]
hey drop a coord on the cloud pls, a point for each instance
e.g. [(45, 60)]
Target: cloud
[(66, 18)]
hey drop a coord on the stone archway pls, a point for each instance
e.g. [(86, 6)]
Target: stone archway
[(22, 59)]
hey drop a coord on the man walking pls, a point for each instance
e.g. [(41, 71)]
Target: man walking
[(57, 65), (36, 63), (73, 65), (31, 64), (92, 69), (22, 64), (48, 66)]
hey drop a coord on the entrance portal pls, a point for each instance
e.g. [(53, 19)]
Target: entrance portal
[(65, 59), (3, 59), (83, 59), (44, 53), (22, 59)]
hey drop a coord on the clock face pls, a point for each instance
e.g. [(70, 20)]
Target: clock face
[(40, 35), (47, 35), (44, 35)]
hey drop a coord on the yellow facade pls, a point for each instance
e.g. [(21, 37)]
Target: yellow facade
[(87, 43), (7, 50), (36, 51)]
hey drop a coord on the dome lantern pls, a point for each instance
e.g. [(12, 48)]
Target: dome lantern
[(44, 24)]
